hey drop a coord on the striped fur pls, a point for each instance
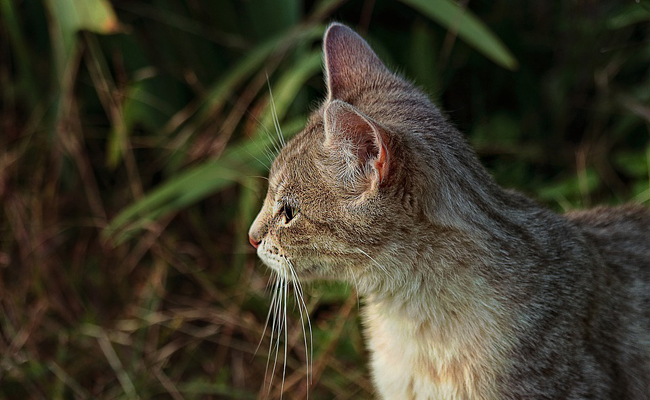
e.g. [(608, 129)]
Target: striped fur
[(471, 291)]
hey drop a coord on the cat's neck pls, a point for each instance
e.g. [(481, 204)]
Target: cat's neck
[(449, 263), (451, 275), (440, 287), (447, 345), (444, 328), (448, 310)]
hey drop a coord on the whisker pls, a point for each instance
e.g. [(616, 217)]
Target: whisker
[(381, 267), (286, 339), (356, 285), (268, 315), (258, 160), (276, 323), (271, 311), (259, 177), (276, 147), (274, 115), (269, 153), (302, 306), (278, 309), (280, 324)]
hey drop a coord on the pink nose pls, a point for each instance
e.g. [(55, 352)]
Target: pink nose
[(254, 242)]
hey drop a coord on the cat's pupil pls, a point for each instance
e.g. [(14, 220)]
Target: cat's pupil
[(288, 212)]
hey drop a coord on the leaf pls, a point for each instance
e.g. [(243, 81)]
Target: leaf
[(68, 17), (92, 15), (219, 92), (235, 164), (635, 164), (27, 76), (71, 16), (195, 184), (641, 191), (423, 57), (571, 187), (144, 104), (500, 130), (448, 14), (331, 292), (285, 13), (288, 86), (629, 15)]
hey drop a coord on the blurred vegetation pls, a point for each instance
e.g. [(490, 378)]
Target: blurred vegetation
[(133, 140)]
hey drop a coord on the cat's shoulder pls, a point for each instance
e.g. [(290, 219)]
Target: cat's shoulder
[(621, 236)]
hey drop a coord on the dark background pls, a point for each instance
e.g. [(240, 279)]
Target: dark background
[(134, 138)]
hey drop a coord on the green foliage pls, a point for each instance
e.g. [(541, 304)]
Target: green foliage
[(134, 141), (463, 23)]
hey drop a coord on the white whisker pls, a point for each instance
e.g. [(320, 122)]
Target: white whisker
[(268, 153), (356, 286), (274, 115), (309, 350), (272, 282), (279, 325), (286, 339), (258, 160), (381, 267), (276, 323)]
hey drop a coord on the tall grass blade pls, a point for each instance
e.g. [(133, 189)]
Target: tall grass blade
[(236, 162), (448, 14), (71, 16), (194, 185), (218, 93)]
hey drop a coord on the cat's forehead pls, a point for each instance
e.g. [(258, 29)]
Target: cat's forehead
[(294, 166)]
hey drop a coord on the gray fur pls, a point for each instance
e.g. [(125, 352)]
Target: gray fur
[(557, 306)]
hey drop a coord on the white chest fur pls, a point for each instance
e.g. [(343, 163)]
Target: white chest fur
[(421, 358)]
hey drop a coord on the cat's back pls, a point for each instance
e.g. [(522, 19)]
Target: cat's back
[(621, 235)]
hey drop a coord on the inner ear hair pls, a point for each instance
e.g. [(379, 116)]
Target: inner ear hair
[(358, 141)]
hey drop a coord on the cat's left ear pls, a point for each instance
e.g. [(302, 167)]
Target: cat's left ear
[(359, 147), (349, 61)]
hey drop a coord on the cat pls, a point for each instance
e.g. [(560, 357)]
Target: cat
[(471, 291)]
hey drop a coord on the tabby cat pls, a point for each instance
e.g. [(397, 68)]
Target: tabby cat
[(471, 291)]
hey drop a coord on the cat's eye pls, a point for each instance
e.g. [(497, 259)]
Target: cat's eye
[(289, 212)]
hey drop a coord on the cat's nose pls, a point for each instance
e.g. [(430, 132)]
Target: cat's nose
[(254, 242), (256, 232)]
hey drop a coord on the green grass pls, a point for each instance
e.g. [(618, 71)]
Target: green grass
[(133, 147)]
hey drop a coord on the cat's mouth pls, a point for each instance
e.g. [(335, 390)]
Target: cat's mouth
[(276, 261), (288, 268)]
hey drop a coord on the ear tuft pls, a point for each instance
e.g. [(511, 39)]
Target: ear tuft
[(349, 61), (358, 146)]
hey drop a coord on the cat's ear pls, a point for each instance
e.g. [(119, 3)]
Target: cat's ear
[(358, 145), (349, 61)]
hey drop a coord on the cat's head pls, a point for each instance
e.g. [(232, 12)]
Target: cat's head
[(351, 195)]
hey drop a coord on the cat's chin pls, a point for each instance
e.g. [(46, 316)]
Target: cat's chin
[(313, 277), (313, 272), (304, 273), (309, 273)]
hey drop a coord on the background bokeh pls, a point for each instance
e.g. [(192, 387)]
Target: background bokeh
[(135, 135)]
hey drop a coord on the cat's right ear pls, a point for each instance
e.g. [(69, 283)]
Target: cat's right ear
[(349, 61), (357, 146)]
